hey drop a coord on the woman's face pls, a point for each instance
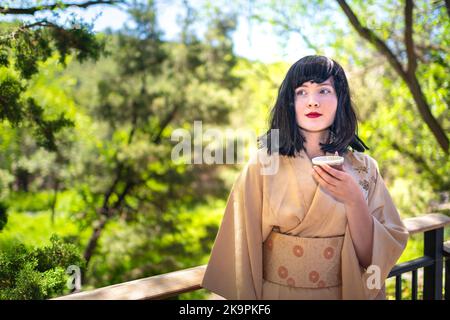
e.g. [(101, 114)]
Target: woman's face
[(319, 98)]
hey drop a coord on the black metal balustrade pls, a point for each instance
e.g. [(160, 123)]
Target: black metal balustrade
[(432, 262)]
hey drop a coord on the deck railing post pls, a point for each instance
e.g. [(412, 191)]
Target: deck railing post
[(432, 279), (447, 278), (447, 270)]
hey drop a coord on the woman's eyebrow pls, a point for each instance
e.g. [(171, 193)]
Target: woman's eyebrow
[(319, 85)]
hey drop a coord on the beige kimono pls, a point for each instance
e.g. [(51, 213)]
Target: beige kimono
[(283, 237)]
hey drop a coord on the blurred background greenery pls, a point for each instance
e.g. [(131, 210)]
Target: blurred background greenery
[(87, 118)]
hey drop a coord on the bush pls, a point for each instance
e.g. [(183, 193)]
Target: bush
[(37, 273)]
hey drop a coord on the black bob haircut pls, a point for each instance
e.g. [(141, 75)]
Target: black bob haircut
[(343, 131)]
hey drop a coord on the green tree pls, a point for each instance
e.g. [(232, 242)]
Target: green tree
[(152, 87), (406, 61), (24, 45)]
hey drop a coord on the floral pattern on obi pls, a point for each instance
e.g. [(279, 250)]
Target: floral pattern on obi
[(302, 262)]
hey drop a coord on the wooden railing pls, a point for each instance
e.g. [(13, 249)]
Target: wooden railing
[(174, 283)]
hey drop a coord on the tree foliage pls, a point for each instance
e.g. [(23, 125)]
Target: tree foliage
[(157, 86), (23, 45), (38, 273)]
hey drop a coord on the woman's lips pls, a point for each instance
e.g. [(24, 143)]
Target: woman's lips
[(313, 115)]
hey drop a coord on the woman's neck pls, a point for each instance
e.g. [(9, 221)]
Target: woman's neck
[(313, 138)]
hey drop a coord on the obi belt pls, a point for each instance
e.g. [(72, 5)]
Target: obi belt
[(302, 262)]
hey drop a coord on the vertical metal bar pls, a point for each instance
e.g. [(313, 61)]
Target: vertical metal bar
[(414, 285), (432, 276), (447, 278), (398, 287)]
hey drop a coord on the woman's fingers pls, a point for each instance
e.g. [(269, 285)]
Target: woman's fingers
[(319, 179), (324, 176), (328, 188), (334, 172)]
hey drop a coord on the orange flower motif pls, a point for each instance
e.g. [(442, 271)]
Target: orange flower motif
[(298, 251), (291, 282), (282, 272), (328, 253), (314, 276), (321, 284)]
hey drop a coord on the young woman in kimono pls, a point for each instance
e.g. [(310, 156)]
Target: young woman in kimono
[(303, 231)]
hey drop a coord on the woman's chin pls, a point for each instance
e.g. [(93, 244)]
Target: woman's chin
[(314, 128)]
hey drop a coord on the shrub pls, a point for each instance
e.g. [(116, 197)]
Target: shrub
[(37, 273)]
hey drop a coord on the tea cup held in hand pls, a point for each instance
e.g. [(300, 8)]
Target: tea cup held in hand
[(336, 162)]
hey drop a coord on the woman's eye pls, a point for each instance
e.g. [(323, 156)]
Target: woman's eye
[(322, 91)]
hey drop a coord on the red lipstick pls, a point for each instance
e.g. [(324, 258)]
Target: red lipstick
[(313, 115)]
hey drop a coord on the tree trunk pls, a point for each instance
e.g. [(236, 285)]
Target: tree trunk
[(22, 179), (93, 240), (424, 110), (409, 75), (106, 214), (55, 199)]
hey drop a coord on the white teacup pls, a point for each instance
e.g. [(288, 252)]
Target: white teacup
[(329, 160)]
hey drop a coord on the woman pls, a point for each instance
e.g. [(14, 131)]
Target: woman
[(303, 231)]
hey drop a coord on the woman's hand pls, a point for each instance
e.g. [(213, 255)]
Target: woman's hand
[(339, 184), (345, 189)]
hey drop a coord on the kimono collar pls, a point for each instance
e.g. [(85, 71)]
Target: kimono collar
[(322, 203)]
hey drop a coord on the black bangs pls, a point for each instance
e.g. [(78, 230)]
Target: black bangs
[(288, 140), (312, 68)]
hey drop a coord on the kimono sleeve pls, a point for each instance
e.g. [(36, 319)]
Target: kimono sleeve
[(234, 270), (389, 234)]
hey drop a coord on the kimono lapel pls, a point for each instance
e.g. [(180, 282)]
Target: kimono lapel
[(319, 205), (301, 171)]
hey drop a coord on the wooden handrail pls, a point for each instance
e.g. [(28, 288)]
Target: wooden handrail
[(156, 287), (187, 280), (426, 222)]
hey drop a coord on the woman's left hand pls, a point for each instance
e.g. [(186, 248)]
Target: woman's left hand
[(339, 184)]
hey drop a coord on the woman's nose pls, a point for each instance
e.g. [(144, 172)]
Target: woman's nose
[(313, 104)]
